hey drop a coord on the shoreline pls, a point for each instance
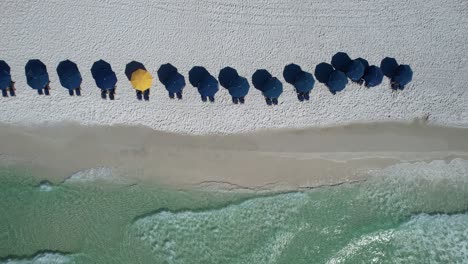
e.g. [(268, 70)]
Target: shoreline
[(281, 160)]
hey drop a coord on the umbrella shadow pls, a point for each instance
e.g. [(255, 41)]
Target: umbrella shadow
[(340, 61), (172, 80), (323, 71), (389, 66), (132, 67)]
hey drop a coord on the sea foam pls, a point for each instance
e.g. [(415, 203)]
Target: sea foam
[(41, 258)]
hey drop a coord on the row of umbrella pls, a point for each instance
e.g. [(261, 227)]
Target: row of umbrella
[(334, 76)]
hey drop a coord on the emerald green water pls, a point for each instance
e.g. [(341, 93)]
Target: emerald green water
[(409, 213)]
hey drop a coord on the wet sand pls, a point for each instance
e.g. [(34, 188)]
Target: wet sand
[(270, 160)]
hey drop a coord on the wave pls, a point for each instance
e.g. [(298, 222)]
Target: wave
[(99, 174), (194, 235), (406, 189), (41, 257)]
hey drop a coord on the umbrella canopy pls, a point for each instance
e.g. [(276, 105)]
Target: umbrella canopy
[(273, 88), (322, 72), (175, 83), (239, 87), (4, 66), (388, 66), (132, 67), (5, 79), (337, 81), (141, 80), (403, 75), (227, 76), (69, 75), (260, 78), (340, 61), (197, 74), (304, 82), (208, 86), (355, 70), (103, 75), (373, 76), (36, 74), (291, 72), (364, 62)]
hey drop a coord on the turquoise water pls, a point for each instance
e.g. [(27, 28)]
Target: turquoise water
[(409, 213)]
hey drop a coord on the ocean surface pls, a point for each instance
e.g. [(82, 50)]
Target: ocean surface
[(407, 213)]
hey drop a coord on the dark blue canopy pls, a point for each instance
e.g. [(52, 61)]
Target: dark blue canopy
[(322, 72), (340, 61), (273, 88), (389, 66), (260, 78), (103, 75), (355, 70), (36, 74), (337, 81), (175, 83), (171, 78), (373, 76), (208, 86), (131, 67), (403, 75), (5, 79), (69, 75), (239, 87), (304, 82), (4, 66), (364, 62)]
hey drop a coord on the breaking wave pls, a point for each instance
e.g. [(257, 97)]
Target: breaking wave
[(43, 257)]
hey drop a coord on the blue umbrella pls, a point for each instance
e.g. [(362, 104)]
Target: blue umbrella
[(239, 88), (373, 76), (389, 66), (355, 70), (322, 72), (340, 61), (103, 75), (337, 81), (4, 66), (304, 82), (364, 62), (171, 79), (273, 88), (36, 74), (402, 76), (69, 75), (5, 80), (208, 87)]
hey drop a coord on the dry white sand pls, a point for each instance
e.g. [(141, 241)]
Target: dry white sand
[(281, 160), (430, 35)]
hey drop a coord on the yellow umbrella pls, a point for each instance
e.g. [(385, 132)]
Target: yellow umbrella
[(141, 80)]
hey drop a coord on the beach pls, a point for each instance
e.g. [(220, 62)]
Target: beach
[(267, 160)]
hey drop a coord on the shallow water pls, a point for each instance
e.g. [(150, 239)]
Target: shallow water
[(407, 213)]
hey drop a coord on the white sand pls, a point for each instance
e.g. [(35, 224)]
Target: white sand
[(281, 160), (429, 35)]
